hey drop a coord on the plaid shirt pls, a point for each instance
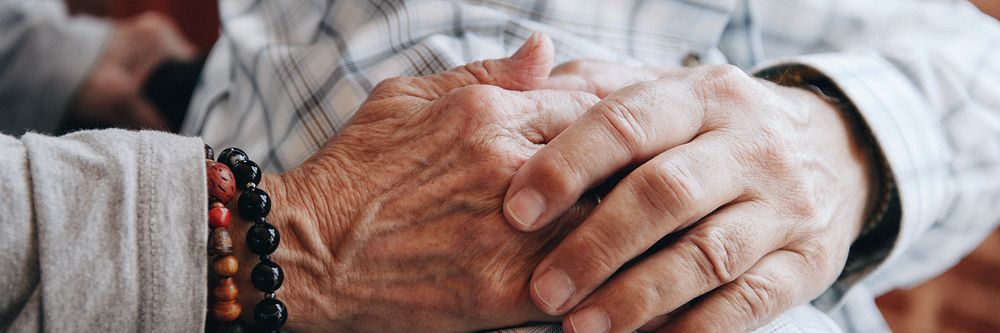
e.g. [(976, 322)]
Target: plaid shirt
[(924, 75)]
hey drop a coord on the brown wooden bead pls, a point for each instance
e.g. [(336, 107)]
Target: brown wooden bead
[(215, 204), (225, 311), (219, 242), (225, 266), (221, 182), (225, 290)]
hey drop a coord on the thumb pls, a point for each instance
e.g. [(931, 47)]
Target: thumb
[(526, 69)]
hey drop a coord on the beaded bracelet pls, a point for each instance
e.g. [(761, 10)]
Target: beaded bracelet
[(262, 238), (223, 306)]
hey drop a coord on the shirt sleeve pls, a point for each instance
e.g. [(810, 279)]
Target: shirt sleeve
[(103, 230), (44, 56), (925, 78)]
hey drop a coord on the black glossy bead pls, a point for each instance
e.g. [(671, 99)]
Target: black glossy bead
[(270, 314), (263, 238), (267, 276), (209, 153), (246, 172), (254, 203), (231, 156)]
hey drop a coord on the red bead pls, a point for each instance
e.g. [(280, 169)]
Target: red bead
[(218, 217), (221, 183)]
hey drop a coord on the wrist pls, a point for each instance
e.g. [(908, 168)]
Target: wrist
[(861, 171), (839, 135), (303, 254)]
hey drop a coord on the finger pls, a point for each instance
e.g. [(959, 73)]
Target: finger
[(602, 78), (663, 195), (549, 112), (713, 253), (654, 324), (628, 126), (757, 297), (527, 69)]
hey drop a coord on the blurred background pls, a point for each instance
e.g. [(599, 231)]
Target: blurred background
[(965, 299), (197, 19)]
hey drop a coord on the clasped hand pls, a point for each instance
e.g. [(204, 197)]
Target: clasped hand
[(737, 199)]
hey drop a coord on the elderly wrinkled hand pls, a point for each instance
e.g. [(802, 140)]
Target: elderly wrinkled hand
[(761, 189), (395, 225)]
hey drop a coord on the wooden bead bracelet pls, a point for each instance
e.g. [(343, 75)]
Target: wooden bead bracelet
[(234, 170)]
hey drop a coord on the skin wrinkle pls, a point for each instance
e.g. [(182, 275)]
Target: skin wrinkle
[(422, 235), (793, 145)]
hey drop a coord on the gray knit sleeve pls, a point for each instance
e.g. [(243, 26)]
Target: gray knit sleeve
[(105, 232)]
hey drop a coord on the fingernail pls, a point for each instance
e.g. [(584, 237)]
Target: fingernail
[(526, 206), (529, 46), (590, 320), (554, 288)]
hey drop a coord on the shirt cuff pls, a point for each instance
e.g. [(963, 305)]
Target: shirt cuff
[(896, 114)]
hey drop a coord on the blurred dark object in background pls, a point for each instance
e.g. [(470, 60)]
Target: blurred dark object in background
[(170, 87), (198, 19)]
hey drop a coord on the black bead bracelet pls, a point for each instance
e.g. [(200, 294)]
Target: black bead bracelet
[(262, 239)]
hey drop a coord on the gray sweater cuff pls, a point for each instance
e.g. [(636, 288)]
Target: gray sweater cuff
[(120, 219)]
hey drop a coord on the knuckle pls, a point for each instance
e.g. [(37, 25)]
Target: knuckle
[(802, 202), (757, 297), (716, 255), (649, 296), (724, 71), (638, 300), (599, 256), (623, 122), (668, 187), (390, 83), (819, 259), (390, 87), (480, 102), (724, 81), (559, 176), (770, 149)]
